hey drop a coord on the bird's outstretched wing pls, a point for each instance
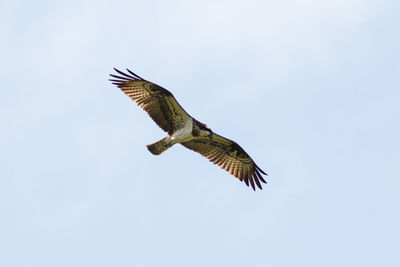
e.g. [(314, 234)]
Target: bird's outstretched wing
[(229, 156), (158, 102)]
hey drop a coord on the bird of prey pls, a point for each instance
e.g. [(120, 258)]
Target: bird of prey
[(182, 128)]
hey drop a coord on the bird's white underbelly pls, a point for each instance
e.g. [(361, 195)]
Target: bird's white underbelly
[(183, 134)]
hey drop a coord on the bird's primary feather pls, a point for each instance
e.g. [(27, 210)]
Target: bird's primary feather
[(158, 102), (229, 156)]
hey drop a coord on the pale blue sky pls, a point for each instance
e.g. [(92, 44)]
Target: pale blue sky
[(309, 88)]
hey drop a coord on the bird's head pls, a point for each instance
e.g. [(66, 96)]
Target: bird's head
[(207, 131), (211, 133)]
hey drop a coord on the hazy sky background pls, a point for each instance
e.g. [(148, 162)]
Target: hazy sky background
[(311, 90)]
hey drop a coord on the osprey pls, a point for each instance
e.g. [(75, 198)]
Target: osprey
[(163, 108)]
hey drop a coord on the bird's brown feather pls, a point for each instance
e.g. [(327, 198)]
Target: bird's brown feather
[(158, 102), (229, 156), (163, 108)]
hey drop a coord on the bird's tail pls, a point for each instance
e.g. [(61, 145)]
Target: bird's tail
[(159, 147)]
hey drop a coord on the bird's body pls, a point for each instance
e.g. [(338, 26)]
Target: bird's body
[(182, 128), (185, 133), (190, 130)]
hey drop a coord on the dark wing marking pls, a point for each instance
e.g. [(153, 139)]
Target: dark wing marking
[(229, 156), (158, 102)]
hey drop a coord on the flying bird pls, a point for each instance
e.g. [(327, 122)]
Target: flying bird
[(182, 128)]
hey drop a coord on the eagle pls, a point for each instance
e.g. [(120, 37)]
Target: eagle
[(182, 128)]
